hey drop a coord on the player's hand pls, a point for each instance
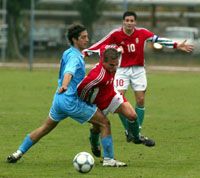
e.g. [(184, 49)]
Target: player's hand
[(185, 47), (62, 89)]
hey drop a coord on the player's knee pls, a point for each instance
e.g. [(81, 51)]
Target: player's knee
[(132, 116), (102, 119), (106, 123)]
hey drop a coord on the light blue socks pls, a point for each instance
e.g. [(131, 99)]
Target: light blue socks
[(107, 144), (26, 144)]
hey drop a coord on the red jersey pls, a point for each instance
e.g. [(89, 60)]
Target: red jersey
[(100, 83), (132, 46)]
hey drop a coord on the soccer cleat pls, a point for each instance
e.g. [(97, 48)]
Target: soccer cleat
[(13, 158), (129, 137), (141, 140), (107, 162), (147, 141)]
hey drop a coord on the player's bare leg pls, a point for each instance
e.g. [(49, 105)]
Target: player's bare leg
[(121, 116)]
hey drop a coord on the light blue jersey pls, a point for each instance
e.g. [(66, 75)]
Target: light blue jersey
[(68, 104), (72, 62)]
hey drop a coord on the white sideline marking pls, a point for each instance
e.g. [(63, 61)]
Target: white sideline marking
[(89, 66)]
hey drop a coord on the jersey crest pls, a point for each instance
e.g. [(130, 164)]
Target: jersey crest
[(137, 40)]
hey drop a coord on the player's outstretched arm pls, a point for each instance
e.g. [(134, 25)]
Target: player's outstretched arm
[(185, 47), (171, 44)]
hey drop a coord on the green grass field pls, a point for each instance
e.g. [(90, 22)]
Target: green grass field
[(172, 119)]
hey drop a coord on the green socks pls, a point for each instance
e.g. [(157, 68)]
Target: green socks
[(140, 113), (94, 138), (123, 120), (133, 128)]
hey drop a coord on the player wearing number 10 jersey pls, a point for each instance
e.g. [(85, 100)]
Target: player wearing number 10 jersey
[(132, 45), (131, 69)]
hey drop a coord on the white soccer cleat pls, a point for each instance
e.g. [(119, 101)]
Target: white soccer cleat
[(107, 162)]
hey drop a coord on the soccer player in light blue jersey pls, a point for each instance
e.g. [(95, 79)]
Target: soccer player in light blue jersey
[(66, 102)]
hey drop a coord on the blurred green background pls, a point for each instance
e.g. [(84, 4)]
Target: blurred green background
[(34, 31)]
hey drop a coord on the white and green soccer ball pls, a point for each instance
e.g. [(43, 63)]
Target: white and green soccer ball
[(83, 162)]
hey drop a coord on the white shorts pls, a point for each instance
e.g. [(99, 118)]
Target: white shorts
[(134, 76), (114, 104)]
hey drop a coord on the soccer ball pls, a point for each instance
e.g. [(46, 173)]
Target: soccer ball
[(83, 162)]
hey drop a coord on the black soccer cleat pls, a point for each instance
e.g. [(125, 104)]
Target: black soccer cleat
[(13, 158), (129, 137), (147, 141), (141, 140)]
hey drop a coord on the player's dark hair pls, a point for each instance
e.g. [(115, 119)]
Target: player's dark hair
[(129, 13), (110, 54), (74, 31)]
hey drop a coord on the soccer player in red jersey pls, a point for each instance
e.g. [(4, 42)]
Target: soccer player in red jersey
[(97, 88), (131, 69)]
